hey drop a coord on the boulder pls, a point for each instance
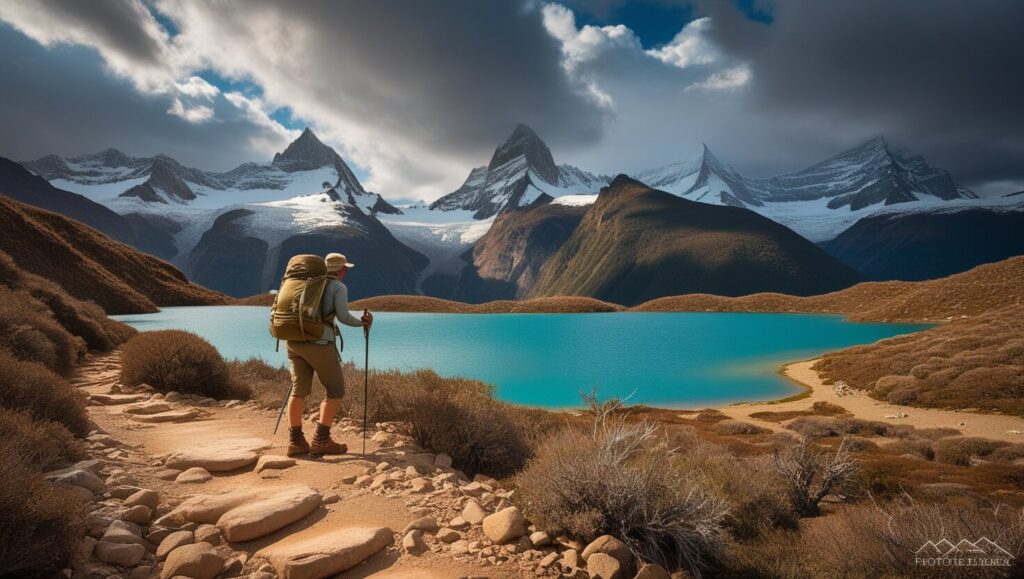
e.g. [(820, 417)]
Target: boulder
[(143, 497), (263, 516), (122, 532), (651, 571), (122, 554), (609, 545), (317, 554), (79, 478), (194, 475), (208, 534), (540, 539), (139, 514), (210, 508), (274, 461), (473, 512), (198, 561), (172, 542), (504, 525), (223, 455), (604, 566)]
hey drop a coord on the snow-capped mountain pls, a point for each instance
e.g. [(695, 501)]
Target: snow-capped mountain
[(521, 173), (823, 200), (307, 165), (234, 231)]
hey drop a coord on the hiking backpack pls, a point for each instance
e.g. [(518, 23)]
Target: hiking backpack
[(295, 315)]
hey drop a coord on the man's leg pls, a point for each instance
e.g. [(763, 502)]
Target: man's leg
[(328, 368), (302, 383)]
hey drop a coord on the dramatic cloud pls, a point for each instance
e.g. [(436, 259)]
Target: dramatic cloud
[(416, 93)]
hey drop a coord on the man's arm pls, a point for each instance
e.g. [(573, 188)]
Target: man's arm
[(341, 309)]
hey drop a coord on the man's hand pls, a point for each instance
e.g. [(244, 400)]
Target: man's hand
[(367, 320)]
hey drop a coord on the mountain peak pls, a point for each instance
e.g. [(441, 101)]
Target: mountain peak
[(523, 142), (306, 152)]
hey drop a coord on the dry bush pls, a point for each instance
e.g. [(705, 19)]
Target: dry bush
[(28, 331), (960, 451), (180, 361), (737, 427), (919, 447), (83, 319), (31, 387), (267, 383), (1009, 453), (825, 426), (619, 478), (825, 408), (975, 362), (811, 474), (41, 525), (867, 541), (49, 444)]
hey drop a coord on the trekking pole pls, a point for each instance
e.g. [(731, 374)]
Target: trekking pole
[(283, 406), (366, 377)]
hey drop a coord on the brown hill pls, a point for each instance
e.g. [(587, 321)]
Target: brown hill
[(636, 243), (91, 266), (984, 288)]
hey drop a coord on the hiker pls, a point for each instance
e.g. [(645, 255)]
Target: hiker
[(313, 287)]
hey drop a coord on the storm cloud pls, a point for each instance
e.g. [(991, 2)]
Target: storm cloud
[(416, 93)]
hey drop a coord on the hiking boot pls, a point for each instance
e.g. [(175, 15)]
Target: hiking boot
[(328, 446), (297, 442), (322, 443)]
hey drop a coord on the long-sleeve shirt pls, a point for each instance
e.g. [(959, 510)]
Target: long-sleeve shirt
[(335, 301)]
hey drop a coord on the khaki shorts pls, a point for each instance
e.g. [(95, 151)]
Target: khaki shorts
[(307, 358)]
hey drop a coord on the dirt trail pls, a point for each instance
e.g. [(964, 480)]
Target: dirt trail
[(994, 426), (140, 447)]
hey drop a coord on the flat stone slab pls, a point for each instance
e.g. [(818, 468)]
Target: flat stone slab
[(318, 554), (274, 461), (261, 517), (219, 456), (155, 407), (169, 416), (209, 508), (118, 399)]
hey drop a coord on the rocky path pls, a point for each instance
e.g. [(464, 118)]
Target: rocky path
[(183, 486)]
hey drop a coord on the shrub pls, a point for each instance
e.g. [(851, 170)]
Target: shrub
[(28, 331), (617, 479), (31, 387), (825, 408), (915, 446), (83, 319), (867, 541), (736, 427), (267, 383), (180, 361), (41, 525), (811, 475), (960, 451), (50, 444)]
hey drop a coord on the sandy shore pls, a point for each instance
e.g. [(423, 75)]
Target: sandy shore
[(993, 426)]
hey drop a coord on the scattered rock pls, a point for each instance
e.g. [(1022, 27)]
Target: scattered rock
[(79, 478), (475, 489), (609, 545), (540, 539), (198, 561), (459, 524), (194, 475), (274, 461), (549, 560), (169, 416), (208, 534), (266, 515), (219, 456), (447, 535), (428, 524), (317, 554), (413, 543), (139, 514), (460, 548), (651, 571), (421, 485), (148, 408), (570, 559), (122, 532), (143, 497), (122, 554), (167, 474), (604, 566), (473, 512), (503, 526), (141, 572), (331, 498), (172, 542), (118, 399)]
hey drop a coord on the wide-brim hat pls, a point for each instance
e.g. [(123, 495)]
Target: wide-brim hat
[(337, 262)]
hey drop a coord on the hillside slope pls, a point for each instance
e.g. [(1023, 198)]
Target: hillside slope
[(91, 266), (928, 244), (636, 243)]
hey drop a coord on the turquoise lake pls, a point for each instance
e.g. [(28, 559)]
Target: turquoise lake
[(671, 360)]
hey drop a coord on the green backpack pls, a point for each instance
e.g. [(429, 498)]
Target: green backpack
[(295, 315)]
